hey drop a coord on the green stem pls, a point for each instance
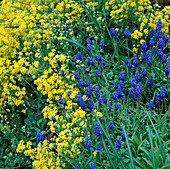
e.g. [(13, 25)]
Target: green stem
[(127, 47), (116, 49)]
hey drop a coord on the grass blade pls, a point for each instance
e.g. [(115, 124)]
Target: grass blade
[(129, 149), (153, 156)]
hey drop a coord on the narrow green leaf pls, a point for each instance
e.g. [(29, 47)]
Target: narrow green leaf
[(75, 43), (17, 8), (129, 149), (107, 153), (153, 155)]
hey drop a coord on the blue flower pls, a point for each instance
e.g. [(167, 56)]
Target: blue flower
[(163, 92), (100, 101), (91, 61), (97, 73), (62, 72), (165, 38), (121, 76), (129, 64), (91, 87), (133, 82), (113, 32), (89, 47), (118, 144), (80, 56), (164, 59), (151, 104), (87, 143), (90, 105), (159, 24), (82, 104), (67, 29), (154, 51), (68, 93), (117, 106), (126, 60), (104, 99), (150, 61), (79, 96), (150, 82), (152, 43), (53, 119), (76, 75), (115, 86), (97, 130), (102, 44), (143, 72), (158, 98), (39, 136), (88, 41), (111, 126), (167, 70), (99, 58), (135, 61), (60, 100), (121, 85), (169, 27), (86, 83), (131, 93), (92, 166), (138, 90), (144, 46), (123, 135), (143, 56), (77, 167), (160, 53), (152, 32), (126, 33), (161, 43), (158, 35), (137, 76), (101, 67), (148, 54), (119, 93), (109, 105), (81, 83), (97, 92), (85, 69), (98, 147), (115, 96), (87, 92)]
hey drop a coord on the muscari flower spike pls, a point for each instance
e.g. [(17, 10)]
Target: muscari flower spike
[(144, 46), (121, 76), (67, 29), (85, 69), (39, 136), (111, 126), (53, 119), (150, 61), (104, 99), (90, 105), (81, 83), (148, 54), (163, 92), (126, 60), (161, 43), (97, 92), (115, 86), (143, 56), (60, 100), (87, 92), (92, 166), (99, 58), (137, 76), (160, 53), (87, 143), (159, 25), (82, 104), (154, 51), (89, 47), (151, 104), (86, 83), (118, 144), (138, 90), (117, 106), (152, 43), (133, 82), (91, 87), (113, 32), (102, 44), (68, 93), (91, 61), (135, 61), (62, 72), (150, 82), (76, 75), (167, 70), (101, 67), (164, 59), (97, 130), (98, 147), (158, 98), (131, 93), (115, 96), (143, 72), (126, 33), (151, 33), (123, 135), (158, 35), (97, 73), (77, 167), (100, 101)]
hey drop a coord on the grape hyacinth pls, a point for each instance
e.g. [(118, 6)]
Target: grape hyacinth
[(91, 87), (138, 90), (115, 86), (160, 53), (62, 72), (152, 43), (97, 92), (77, 167), (150, 61), (167, 70), (133, 82), (158, 35), (85, 69), (87, 143), (163, 92), (102, 44), (131, 93), (118, 144), (126, 60), (90, 105), (154, 51), (97, 73), (151, 104), (161, 43), (68, 93), (143, 72), (144, 46), (100, 101), (135, 61), (53, 119), (91, 61), (121, 76), (115, 96), (123, 135), (117, 106), (126, 33), (98, 147), (164, 59), (104, 99), (113, 32), (158, 98), (148, 54), (92, 166), (87, 92), (81, 83), (82, 104), (89, 47), (137, 76), (60, 100), (150, 82), (99, 58), (39, 136), (159, 24), (151, 33), (111, 126), (76, 75), (97, 130), (86, 83)]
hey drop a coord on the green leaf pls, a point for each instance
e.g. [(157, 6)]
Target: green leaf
[(27, 122)]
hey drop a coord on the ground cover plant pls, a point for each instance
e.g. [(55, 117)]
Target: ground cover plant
[(84, 84)]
